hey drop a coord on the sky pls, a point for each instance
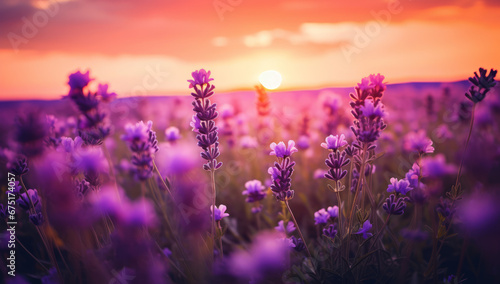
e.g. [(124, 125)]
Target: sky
[(150, 47)]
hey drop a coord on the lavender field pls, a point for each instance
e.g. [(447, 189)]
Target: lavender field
[(375, 183)]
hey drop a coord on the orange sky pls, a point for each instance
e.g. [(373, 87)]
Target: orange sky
[(150, 47)]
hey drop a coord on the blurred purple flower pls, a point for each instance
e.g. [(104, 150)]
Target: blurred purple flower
[(290, 227), (265, 256), (19, 166), (334, 142), (299, 244), (333, 211), (226, 111), (367, 226), (319, 174), (219, 212), (137, 136), (200, 77), (24, 201), (102, 90), (255, 191), (282, 151), (37, 218), (303, 142), (418, 142), (172, 134), (70, 145), (436, 167), (79, 80), (330, 231), (321, 217), (401, 186), (195, 123), (371, 111)]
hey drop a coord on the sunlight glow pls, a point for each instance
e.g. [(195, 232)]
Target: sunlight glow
[(270, 79)]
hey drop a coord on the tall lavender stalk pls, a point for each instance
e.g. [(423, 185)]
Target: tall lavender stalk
[(281, 177), (335, 162), (203, 123)]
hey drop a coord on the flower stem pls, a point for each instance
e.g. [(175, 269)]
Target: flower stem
[(297, 226), (212, 179), (466, 146), (381, 231), (163, 181)]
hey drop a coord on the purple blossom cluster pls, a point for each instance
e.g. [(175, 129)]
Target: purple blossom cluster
[(282, 171), (203, 122), (142, 141)]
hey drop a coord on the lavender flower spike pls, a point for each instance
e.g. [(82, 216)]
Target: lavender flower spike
[(395, 206)]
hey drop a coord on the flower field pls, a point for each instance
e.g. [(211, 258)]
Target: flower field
[(376, 183)]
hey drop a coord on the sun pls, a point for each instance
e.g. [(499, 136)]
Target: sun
[(270, 79)]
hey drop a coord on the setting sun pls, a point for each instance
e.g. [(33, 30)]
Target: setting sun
[(270, 79)]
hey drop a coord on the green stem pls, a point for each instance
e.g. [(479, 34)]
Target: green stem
[(163, 181), (297, 226)]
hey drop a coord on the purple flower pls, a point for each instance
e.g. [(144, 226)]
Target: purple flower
[(484, 83), (37, 218), (79, 80), (70, 145), (19, 166), (334, 142), (412, 176), (330, 231), (436, 167), (172, 134), (255, 191), (369, 110), (102, 90), (219, 212), (282, 151), (336, 160), (395, 206), (367, 226), (303, 142), (290, 227), (281, 179), (200, 78), (333, 211), (167, 252), (400, 186), (377, 85), (418, 142), (321, 217), (299, 244), (24, 201), (137, 136)]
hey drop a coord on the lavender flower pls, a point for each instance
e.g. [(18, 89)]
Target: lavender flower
[(418, 142), (395, 206), (142, 141), (290, 227), (102, 91), (24, 200), (336, 160), (299, 244), (333, 211), (368, 113), (37, 218), (172, 134), (19, 167), (255, 191), (203, 122), (436, 167), (321, 217), (334, 142), (367, 226), (281, 175), (400, 186), (482, 84), (282, 151), (330, 231), (219, 212), (79, 80)]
